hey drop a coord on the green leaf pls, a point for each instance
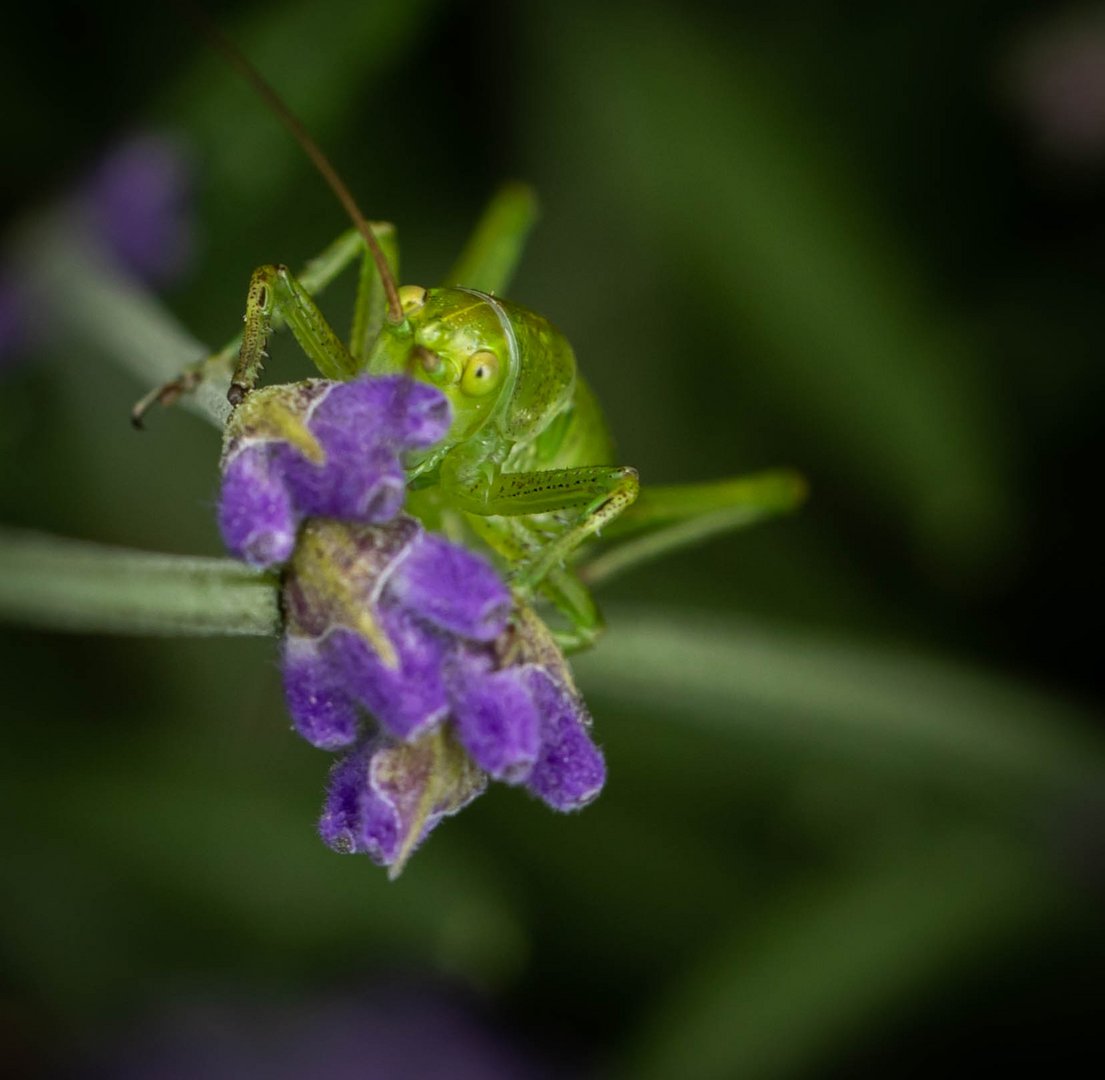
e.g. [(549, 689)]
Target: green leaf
[(107, 314)]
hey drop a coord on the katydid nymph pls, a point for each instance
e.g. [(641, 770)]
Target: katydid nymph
[(527, 465)]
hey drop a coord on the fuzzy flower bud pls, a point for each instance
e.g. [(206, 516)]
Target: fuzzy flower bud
[(320, 448), (408, 652), (404, 652), (385, 797)]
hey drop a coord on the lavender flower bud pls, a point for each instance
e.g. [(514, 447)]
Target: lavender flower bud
[(256, 517), (569, 771), (406, 699), (383, 651), (321, 449), (421, 634), (384, 798), (135, 208), (324, 715), (362, 427), (446, 586), (497, 722)]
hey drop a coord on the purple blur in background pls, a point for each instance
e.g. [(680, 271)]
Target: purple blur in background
[(139, 203), (137, 209), (401, 1033)]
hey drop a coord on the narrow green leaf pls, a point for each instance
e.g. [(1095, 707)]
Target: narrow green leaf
[(798, 270)]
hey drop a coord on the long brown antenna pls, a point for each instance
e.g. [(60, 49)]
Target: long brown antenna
[(222, 44)]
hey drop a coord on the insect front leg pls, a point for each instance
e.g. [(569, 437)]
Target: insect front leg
[(274, 292), (316, 275), (599, 493)]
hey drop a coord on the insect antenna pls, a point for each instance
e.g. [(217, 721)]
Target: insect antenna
[(237, 59)]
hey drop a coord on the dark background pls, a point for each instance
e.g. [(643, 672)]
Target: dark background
[(867, 245)]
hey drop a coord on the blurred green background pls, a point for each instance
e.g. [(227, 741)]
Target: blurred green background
[(854, 823)]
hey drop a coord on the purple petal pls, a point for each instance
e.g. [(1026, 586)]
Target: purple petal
[(406, 700), (340, 824), (362, 816), (363, 485), (256, 518), (384, 798), (420, 414), (569, 771), (321, 711), (139, 200), (351, 418), (375, 410), (497, 723), (451, 587), (361, 479)]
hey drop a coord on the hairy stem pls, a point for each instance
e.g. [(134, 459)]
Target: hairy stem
[(61, 584)]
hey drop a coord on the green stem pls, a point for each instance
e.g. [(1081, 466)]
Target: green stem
[(61, 584), (99, 307)]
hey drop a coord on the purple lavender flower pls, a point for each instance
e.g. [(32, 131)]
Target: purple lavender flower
[(138, 201), (458, 683), (394, 1030), (16, 322), (320, 449), (403, 651), (135, 208), (385, 797)]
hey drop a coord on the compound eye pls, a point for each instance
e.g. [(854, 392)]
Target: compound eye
[(411, 298), (481, 374)]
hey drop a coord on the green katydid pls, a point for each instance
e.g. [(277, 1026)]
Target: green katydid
[(527, 465)]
